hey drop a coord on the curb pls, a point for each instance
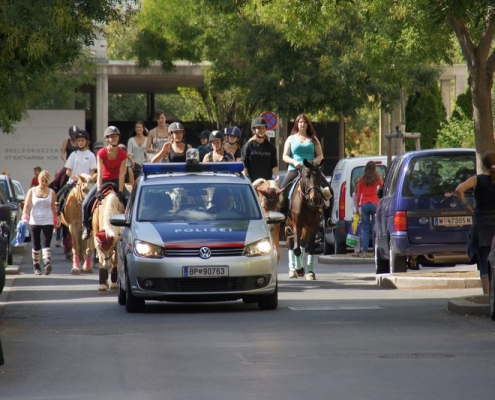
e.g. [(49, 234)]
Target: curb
[(391, 281), (344, 260), (473, 305)]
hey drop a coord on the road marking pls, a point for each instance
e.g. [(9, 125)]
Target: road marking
[(336, 308)]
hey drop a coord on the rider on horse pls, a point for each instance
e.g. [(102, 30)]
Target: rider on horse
[(111, 168)]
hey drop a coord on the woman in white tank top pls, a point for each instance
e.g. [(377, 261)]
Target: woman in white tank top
[(40, 211)]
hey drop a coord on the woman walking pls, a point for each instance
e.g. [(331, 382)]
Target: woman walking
[(483, 227), (158, 136), (41, 213), (174, 150), (367, 200), (136, 148)]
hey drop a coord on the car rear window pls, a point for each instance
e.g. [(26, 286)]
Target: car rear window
[(359, 171), (437, 175), (196, 202)]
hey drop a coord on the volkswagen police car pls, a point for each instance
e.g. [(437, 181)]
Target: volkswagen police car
[(195, 232)]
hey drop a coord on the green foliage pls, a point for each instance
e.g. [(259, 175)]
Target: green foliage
[(463, 103), (362, 135), (39, 38), (425, 114), (458, 132)]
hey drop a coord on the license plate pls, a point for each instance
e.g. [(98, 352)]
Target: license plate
[(452, 221), (205, 272)]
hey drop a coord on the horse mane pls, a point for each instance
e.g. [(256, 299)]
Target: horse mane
[(112, 207)]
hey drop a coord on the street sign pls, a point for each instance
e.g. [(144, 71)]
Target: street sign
[(270, 134), (271, 119)]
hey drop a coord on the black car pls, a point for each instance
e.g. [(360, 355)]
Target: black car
[(8, 223)]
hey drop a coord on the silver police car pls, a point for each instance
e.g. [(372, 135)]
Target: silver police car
[(195, 232)]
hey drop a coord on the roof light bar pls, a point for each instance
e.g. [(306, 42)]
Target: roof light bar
[(170, 168)]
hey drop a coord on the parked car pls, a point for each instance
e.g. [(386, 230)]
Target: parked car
[(177, 246), (7, 227), (419, 219), (344, 185), (14, 195)]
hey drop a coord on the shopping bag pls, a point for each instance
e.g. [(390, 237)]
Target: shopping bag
[(354, 232)]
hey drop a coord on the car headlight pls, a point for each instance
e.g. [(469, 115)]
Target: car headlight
[(148, 250), (260, 248)]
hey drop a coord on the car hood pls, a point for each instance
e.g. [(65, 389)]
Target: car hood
[(204, 233)]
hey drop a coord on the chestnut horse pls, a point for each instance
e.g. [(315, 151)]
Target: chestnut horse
[(71, 217), (269, 195), (106, 237), (307, 204)]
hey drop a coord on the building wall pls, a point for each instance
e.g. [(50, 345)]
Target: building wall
[(36, 142)]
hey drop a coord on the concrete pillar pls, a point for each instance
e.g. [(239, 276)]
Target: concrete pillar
[(446, 91), (101, 109)]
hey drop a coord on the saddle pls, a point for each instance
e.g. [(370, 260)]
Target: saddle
[(105, 189)]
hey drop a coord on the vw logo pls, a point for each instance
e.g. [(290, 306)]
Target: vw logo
[(205, 252)]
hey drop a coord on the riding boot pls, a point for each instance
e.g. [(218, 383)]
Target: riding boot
[(47, 260), (35, 254), (86, 220)]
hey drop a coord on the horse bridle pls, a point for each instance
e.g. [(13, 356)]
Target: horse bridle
[(305, 191)]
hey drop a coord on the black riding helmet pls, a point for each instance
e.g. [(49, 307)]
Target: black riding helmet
[(258, 122), (73, 130), (205, 135), (84, 135), (216, 135)]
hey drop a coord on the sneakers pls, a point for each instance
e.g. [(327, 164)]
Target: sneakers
[(58, 243), (37, 269), (310, 276), (292, 274), (48, 269), (86, 234)]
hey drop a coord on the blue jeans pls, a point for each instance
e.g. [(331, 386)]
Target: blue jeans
[(368, 211)]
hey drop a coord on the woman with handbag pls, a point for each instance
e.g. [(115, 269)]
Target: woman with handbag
[(136, 148)]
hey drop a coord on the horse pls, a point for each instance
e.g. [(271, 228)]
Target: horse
[(307, 204), (106, 237), (71, 217), (270, 197)]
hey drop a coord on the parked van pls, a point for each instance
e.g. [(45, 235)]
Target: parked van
[(344, 185)]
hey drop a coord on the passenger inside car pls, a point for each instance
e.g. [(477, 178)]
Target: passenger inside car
[(223, 204), (155, 206)]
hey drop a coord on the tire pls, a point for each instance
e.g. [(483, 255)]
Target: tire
[(382, 266), (132, 304), (491, 296), (269, 302), (10, 256), (121, 296), (398, 263), (327, 247)]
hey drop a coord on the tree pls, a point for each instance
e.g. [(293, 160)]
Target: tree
[(40, 38)]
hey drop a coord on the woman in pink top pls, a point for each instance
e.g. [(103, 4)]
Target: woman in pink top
[(367, 201)]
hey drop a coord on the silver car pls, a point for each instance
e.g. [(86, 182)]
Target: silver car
[(195, 232)]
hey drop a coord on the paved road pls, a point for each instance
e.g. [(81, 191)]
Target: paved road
[(340, 337)]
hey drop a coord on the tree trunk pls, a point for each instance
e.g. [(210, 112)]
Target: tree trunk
[(341, 135)]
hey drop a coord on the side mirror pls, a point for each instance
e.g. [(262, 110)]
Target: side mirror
[(275, 217), (119, 220)]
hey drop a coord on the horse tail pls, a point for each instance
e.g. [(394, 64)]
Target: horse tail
[(112, 207)]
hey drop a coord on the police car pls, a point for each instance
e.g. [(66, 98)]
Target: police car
[(195, 232)]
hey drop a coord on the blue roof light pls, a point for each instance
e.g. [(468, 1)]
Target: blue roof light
[(170, 168)]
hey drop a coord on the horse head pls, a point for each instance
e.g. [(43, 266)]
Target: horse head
[(85, 184), (269, 194), (312, 180)]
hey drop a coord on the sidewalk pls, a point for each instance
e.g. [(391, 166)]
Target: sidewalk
[(458, 277)]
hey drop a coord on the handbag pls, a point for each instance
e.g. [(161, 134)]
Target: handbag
[(354, 232)]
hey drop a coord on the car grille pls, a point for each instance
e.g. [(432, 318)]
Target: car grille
[(194, 252), (194, 285)]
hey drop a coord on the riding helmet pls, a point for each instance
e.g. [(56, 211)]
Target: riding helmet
[(234, 131), (216, 135), (84, 135), (111, 130), (258, 122), (205, 134), (174, 127), (73, 130)]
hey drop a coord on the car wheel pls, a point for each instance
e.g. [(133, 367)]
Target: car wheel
[(382, 266), (398, 263), (132, 304), (492, 293), (10, 257), (121, 297), (269, 302), (327, 247)]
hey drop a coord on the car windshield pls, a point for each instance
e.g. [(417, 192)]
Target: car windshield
[(437, 175), (189, 202)]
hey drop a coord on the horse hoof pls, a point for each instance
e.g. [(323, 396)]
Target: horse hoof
[(102, 288), (310, 276), (292, 274), (87, 270), (300, 272), (75, 271)]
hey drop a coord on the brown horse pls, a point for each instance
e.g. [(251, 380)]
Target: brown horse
[(106, 237), (307, 204), (72, 218), (269, 195)]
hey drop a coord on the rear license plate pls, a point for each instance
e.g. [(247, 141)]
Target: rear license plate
[(452, 221), (205, 272)]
